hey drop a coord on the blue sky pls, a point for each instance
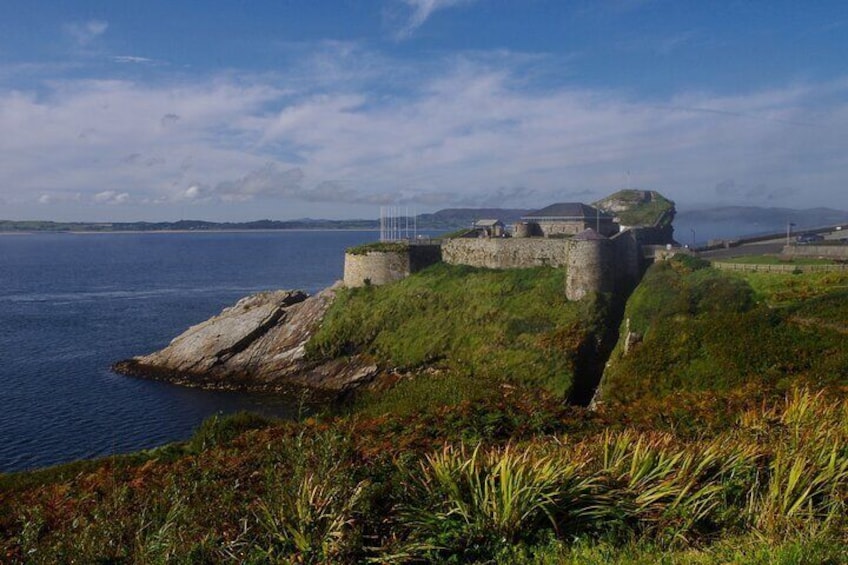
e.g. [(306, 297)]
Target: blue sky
[(257, 109)]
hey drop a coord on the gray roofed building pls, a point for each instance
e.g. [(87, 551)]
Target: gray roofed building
[(568, 219), (489, 228), (567, 211)]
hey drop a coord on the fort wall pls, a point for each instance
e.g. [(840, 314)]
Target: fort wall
[(591, 265), (507, 253), (383, 267)]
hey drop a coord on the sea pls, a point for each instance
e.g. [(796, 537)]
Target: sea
[(73, 304)]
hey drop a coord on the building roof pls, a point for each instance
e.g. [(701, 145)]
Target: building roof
[(568, 211), (487, 223)]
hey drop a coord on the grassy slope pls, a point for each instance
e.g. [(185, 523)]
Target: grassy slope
[(705, 330), (639, 213), (474, 324)]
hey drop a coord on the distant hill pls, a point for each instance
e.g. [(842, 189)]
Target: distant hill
[(455, 218), (708, 223), (448, 219)]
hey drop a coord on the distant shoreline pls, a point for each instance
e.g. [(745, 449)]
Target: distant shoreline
[(129, 232)]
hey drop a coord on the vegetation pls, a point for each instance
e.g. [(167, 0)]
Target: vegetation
[(723, 439), (655, 211), (379, 247), (706, 330), (584, 488), (514, 325)]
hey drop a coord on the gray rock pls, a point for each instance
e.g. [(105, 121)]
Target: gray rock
[(257, 344)]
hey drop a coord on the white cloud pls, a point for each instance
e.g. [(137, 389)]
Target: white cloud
[(468, 131), (50, 198), (111, 197), (84, 33), (131, 59)]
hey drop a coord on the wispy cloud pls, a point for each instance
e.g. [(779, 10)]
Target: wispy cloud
[(132, 59), (84, 33), (111, 197), (415, 12)]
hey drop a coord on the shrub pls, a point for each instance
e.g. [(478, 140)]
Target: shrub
[(220, 429)]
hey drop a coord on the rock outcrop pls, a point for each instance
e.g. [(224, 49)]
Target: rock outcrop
[(257, 344)]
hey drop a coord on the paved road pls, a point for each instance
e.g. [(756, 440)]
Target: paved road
[(771, 247)]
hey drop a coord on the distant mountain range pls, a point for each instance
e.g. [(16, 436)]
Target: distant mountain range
[(448, 219), (707, 223)]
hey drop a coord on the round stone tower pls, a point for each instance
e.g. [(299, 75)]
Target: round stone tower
[(589, 265), (375, 267)]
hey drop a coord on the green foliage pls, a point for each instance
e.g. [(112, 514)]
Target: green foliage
[(512, 324), (467, 505), (379, 247), (709, 330), (638, 212), (309, 513), (219, 429), (409, 395), (772, 488)]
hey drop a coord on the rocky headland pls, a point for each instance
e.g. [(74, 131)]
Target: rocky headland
[(258, 344)]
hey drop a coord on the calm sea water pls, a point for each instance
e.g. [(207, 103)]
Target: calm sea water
[(71, 305)]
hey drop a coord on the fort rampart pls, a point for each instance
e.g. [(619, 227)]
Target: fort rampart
[(596, 264), (382, 267), (506, 253)]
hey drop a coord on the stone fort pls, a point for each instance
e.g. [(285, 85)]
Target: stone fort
[(598, 253)]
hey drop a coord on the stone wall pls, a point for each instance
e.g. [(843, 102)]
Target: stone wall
[(828, 251), (602, 265), (382, 267), (560, 228), (507, 253)]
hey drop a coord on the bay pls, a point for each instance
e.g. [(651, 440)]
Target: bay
[(73, 304)]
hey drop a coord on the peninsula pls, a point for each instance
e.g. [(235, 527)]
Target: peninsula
[(716, 432)]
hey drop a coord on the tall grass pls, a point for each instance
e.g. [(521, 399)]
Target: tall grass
[(468, 501), (769, 487), (473, 502)]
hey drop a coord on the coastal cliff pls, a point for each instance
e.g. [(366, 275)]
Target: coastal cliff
[(257, 344)]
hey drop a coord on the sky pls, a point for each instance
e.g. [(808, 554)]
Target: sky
[(243, 110)]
